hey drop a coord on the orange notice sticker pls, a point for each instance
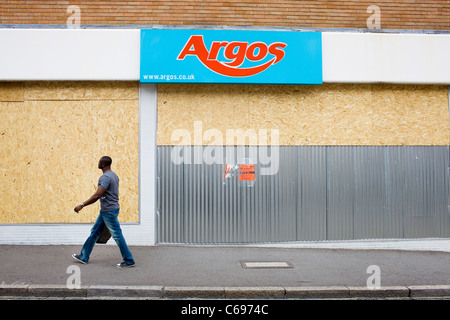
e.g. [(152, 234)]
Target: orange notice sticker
[(247, 172)]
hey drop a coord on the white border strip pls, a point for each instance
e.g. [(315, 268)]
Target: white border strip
[(147, 168), (114, 54), (424, 244)]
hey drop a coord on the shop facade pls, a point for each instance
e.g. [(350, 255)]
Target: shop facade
[(349, 139)]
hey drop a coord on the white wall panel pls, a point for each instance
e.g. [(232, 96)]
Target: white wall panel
[(69, 54), (391, 58), (113, 54)]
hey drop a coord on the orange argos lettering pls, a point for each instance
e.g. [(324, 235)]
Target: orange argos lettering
[(237, 52)]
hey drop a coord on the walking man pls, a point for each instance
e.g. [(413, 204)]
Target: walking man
[(108, 193)]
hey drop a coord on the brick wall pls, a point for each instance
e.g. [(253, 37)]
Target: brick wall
[(397, 14)]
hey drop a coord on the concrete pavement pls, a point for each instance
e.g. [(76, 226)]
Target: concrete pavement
[(288, 271)]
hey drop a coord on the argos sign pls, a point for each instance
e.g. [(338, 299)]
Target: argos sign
[(236, 52), (226, 56)]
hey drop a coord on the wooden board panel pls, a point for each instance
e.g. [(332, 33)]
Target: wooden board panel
[(11, 91), (81, 90), (50, 153), (330, 114)]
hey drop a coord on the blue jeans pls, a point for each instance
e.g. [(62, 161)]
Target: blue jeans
[(108, 218)]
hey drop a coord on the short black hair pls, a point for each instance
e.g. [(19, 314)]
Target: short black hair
[(106, 160)]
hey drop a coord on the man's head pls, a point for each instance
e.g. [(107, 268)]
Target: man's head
[(104, 162)]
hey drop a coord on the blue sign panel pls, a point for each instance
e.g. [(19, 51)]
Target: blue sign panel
[(229, 56)]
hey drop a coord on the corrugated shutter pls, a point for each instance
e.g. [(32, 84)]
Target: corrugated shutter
[(317, 193)]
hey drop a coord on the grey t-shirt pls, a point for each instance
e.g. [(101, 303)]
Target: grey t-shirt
[(110, 199)]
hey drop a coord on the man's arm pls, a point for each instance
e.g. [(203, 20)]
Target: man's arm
[(97, 195)]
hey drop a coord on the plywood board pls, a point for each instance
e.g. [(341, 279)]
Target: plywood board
[(81, 90), (330, 114), (11, 91), (50, 153)]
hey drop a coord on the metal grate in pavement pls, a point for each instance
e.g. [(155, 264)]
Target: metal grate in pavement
[(266, 264)]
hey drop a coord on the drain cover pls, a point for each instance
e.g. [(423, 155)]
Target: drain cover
[(266, 264)]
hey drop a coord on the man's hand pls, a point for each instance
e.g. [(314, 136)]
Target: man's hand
[(97, 195)]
